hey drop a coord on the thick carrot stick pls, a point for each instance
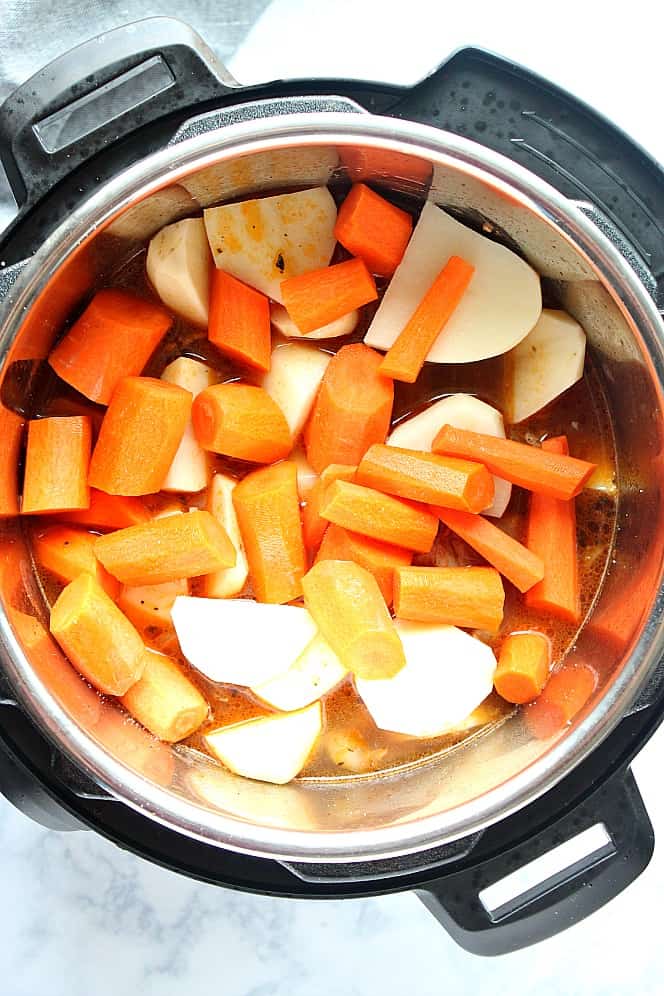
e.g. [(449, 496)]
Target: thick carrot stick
[(268, 512), (108, 512), (166, 549), (114, 338), (318, 297), (565, 694), (96, 637), (67, 552), (532, 467), (241, 421), (164, 701), (523, 667), (382, 517), (56, 465), (471, 597), (437, 480), (514, 560), (352, 410), (552, 536), (350, 612), (406, 357), (239, 322), (313, 526), (149, 606), (139, 436), (381, 559), (370, 227)]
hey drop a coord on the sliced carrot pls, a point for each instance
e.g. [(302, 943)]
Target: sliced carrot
[(381, 559), (239, 321), (531, 467), (523, 667), (352, 410), (406, 356), (56, 465), (67, 552), (565, 695), (313, 526), (149, 606), (319, 297), (114, 338), (370, 227), (268, 513), (350, 612), (514, 560), (382, 517), (125, 740), (96, 637), (11, 436), (472, 597), (108, 512), (426, 477), (552, 536), (166, 549), (139, 436), (241, 421), (164, 701)]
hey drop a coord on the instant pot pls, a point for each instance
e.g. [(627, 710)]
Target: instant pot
[(143, 126)]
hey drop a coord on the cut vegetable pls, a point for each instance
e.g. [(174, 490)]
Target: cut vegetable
[(56, 465), (544, 364), (313, 525), (239, 322), (447, 675), (149, 606), (296, 372), (230, 580), (241, 421), (108, 512), (523, 666), (164, 701), (499, 309), (188, 472), (370, 227), (381, 559), (471, 597), (271, 749), (178, 265), (382, 517), (285, 325), (264, 241), (318, 297), (314, 673), (306, 475), (68, 552), (565, 695)]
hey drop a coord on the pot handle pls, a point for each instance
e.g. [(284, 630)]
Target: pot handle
[(576, 865), (99, 92)]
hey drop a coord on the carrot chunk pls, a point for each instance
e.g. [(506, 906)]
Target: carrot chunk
[(139, 436), (381, 559), (369, 227), (471, 597), (268, 512), (239, 322), (523, 667), (350, 612), (313, 526), (352, 410), (164, 701), (56, 465), (108, 512), (68, 552), (565, 695), (319, 297), (241, 421), (114, 338), (382, 517)]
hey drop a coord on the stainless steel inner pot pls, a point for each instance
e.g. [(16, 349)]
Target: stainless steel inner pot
[(493, 776)]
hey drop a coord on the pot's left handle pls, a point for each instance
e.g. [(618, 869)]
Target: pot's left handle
[(99, 92)]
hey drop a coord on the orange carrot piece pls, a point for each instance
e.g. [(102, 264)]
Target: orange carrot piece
[(56, 465), (382, 517), (437, 480), (166, 549), (149, 606), (139, 436), (108, 512), (241, 421), (239, 321), (472, 597), (96, 637), (11, 437), (406, 356), (319, 297), (523, 667), (370, 227), (381, 559), (347, 606), (268, 512), (164, 701), (67, 552), (352, 410), (514, 560), (531, 467), (552, 536), (114, 338), (313, 526), (565, 695)]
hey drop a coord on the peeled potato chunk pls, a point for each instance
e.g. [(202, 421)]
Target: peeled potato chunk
[(178, 266), (188, 472), (293, 380), (315, 672), (284, 324), (228, 581)]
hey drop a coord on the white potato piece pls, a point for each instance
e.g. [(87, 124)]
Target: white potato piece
[(447, 675), (293, 380), (306, 475), (463, 411), (178, 266), (228, 581), (271, 749), (547, 362), (501, 305), (189, 470), (315, 672), (239, 641), (268, 239), (284, 324)]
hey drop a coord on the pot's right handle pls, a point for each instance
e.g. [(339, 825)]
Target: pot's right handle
[(612, 839)]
